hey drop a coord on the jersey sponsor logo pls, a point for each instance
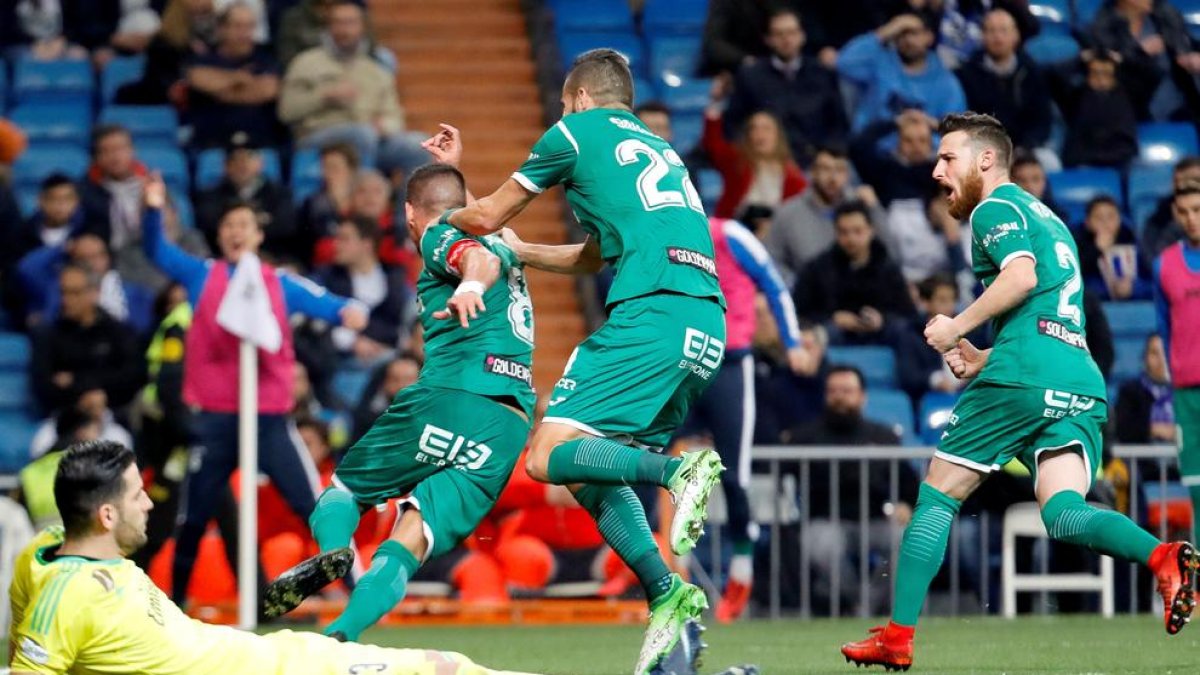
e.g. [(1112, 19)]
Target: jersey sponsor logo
[(1060, 332), (105, 579), (498, 365), (999, 232), (442, 447), (702, 353), (683, 256), (34, 652), (1060, 404), (628, 126)]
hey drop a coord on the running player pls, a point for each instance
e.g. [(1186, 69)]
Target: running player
[(80, 606), (630, 384), (447, 443), (1036, 396)]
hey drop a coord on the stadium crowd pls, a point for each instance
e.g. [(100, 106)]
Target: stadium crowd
[(816, 130)]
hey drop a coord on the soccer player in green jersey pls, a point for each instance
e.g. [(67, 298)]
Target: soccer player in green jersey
[(450, 441), (1035, 396), (628, 386)]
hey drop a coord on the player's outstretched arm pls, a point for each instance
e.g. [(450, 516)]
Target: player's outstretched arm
[(480, 269), (582, 258), (1010, 289), (487, 215)]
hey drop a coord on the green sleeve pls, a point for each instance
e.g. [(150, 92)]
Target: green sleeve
[(1000, 232), (552, 160), (442, 246)]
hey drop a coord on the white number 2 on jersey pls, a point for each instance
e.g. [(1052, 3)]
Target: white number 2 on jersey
[(1066, 308), (648, 181)]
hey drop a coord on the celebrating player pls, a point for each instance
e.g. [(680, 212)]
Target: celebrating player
[(630, 384), (448, 442), (79, 606), (1036, 396)]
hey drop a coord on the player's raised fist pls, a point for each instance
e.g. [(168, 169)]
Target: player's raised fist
[(445, 146), (942, 333), (965, 361), (154, 191)]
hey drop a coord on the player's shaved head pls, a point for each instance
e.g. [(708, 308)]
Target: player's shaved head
[(604, 74), (984, 131), (434, 188), (90, 475)]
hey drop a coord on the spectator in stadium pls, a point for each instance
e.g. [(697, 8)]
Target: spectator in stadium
[(1110, 261), (1160, 61), (324, 209), (1144, 409), (854, 289), (245, 183), (1177, 299), (733, 35), (303, 26), (1161, 229), (1002, 80), (210, 372), (188, 31), (337, 93), (35, 29), (895, 69), (802, 227), (372, 199), (84, 355), (959, 25), (758, 170), (799, 91), (56, 216), (111, 193), (905, 173), (35, 482), (1101, 124), (357, 273), (385, 383), (1028, 172), (831, 536), (233, 88), (919, 368), (94, 409), (74, 28)]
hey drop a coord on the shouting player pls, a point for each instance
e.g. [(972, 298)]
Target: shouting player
[(80, 606), (1036, 395), (630, 384), (448, 442)]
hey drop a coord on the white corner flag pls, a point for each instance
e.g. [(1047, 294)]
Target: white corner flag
[(246, 310)]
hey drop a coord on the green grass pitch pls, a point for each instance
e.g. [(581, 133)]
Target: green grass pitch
[(1076, 644)]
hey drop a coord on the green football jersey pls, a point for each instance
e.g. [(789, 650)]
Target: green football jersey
[(630, 190), (1041, 342), (494, 355)]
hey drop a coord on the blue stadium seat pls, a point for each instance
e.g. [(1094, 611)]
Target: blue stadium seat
[(674, 16), (15, 393), (572, 44), (55, 123), (147, 123), (27, 200), (65, 81), (1073, 188), (306, 173), (3, 87), (183, 206), (674, 59), (16, 435), (1128, 363), (1085, 11), (878, 364), (210, 166), (687, 127), (643, 91), (170, 162), (120, 71), (14, 351), (1053, 15), (1131, 319), (1166, 143), (349, 383), (710, 184), (39, 161), (1190, 9), (892, 407), (1147, 186), (690, 96), (934, 415), (1050, 48), (592, 15)]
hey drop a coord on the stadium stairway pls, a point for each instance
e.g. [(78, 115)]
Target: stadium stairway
[(470, 63)]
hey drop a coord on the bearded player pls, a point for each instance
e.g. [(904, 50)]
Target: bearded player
[(1035, 396)]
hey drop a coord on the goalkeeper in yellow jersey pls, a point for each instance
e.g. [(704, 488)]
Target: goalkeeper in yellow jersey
[(80, 607)]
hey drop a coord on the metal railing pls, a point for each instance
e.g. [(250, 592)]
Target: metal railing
[(779, 498)]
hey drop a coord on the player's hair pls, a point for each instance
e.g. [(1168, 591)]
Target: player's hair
[(90, 474), (1187, 163), (103, 131), (983, 130), (365, 227), (927, 287), (1191, 187), (436, 187), (345, 150), (1100, 200), (847, 368), (1023, 157), (654, 106), (852, 206), (92, 279), (605, 74), (55, 180)]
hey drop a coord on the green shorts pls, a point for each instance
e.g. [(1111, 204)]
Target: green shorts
[(635, 378), (451, 452), (992, 424), (1186, 401)]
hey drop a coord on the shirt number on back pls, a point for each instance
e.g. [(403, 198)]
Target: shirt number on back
[(1066, 260), (654, 198)]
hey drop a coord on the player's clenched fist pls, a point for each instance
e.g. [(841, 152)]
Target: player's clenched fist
[(941, 333), (965, 361)]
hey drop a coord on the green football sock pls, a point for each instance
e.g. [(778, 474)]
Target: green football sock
[(1071, 519), (921, 551), (334, 520), (1194, 492), (622, 521), (600, 461), (379, 590)]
